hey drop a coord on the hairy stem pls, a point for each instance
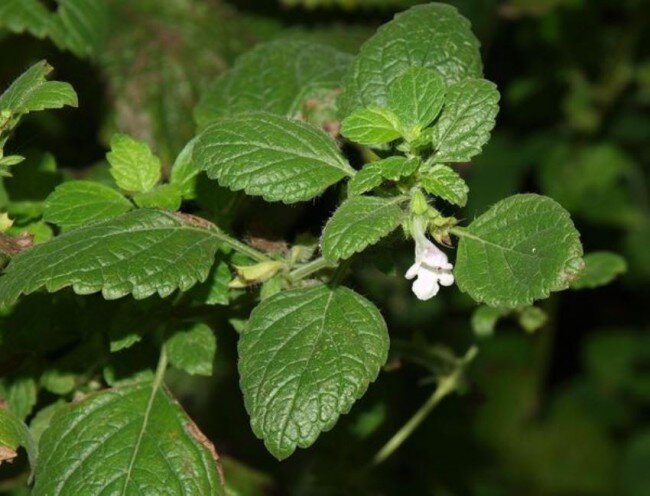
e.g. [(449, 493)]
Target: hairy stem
[(242, 248), (309, 268)]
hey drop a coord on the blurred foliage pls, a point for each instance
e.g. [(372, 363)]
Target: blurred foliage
[(561, 411)]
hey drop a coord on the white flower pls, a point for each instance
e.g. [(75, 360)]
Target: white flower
[(431, 267)]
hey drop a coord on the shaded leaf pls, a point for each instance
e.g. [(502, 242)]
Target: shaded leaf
[(278, 77), (76, 203), (601, 268)]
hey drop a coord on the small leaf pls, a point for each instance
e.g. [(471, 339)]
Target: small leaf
[(466, 121), (19, 394), (130, 440), (371, 126), (531, 318), (365, 180), (165, 196), (76, 203), (32, 92), (192, 349), (519, 251), (433, 36), (417, 97), (133, 165), (394, 168), (359, 222), (444, 182), (484, 320), (601, 268), (270, 156), (141, 252), (277, 77), (185, 171), (14, 434), (306, 355)]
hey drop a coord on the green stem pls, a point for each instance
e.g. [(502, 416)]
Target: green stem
[(446, 386), (309, 268), (459, 231), (242, 248)]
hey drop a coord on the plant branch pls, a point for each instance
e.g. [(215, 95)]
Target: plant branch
[(242, 248), (446, 385), (309, 268)]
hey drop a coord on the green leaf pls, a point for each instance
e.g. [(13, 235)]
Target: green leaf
[(192, 349), (306, 355), (215, 290), (185, 171), (484, 320), (601, 268), (359, 222), (165, 196), (394, 168), (417, 97), (19, 393), (32, 92), (373, 174), (14, 434), (141, 252), (466, 121), (271, 156), (519, 251), (444, 182), (365, 180), (531, 318), (81, 26), (279, 77), (133, 165), (371, 126), (131, 440), (19, 16), (76, 203), (433, 36)]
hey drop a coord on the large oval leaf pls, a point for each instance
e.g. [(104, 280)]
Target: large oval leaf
[(133, 440), (304, 358), (271, 156), (519, 251), (433, 36)]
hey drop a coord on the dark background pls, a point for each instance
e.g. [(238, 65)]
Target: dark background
[(560, 412)]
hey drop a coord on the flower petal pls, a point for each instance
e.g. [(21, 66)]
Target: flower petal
[(446, 278), (413, 271), (426, 286)]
